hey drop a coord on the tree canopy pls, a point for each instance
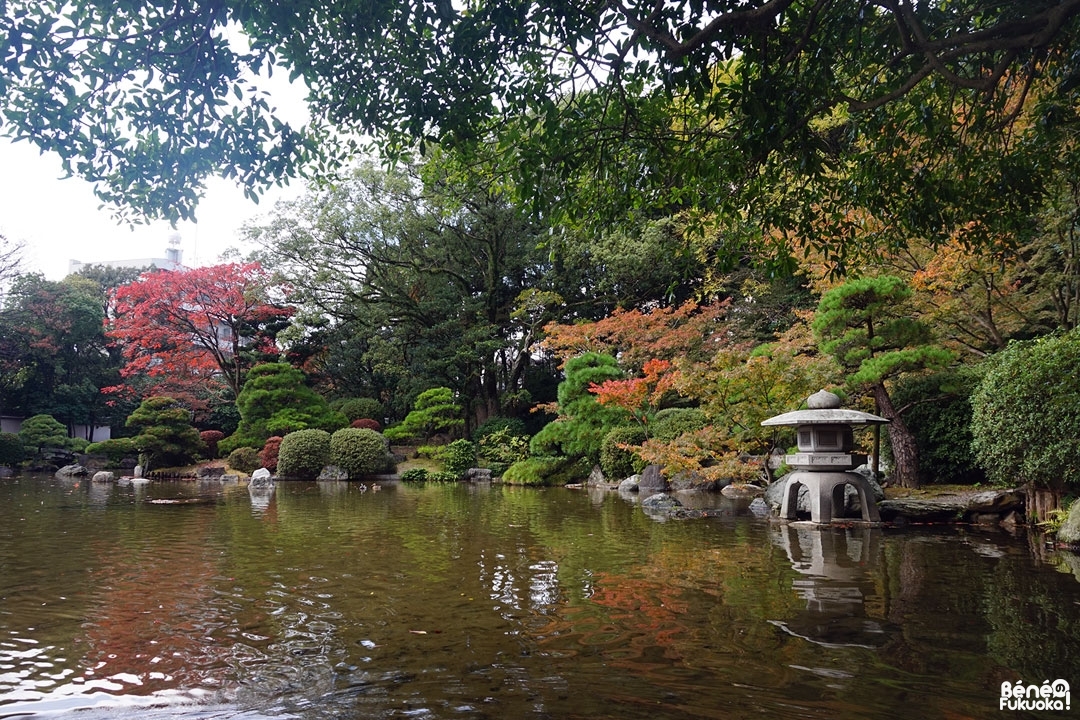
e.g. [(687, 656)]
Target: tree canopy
[(662, 106)]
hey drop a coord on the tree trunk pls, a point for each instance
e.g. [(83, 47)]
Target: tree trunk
[(904, 450)]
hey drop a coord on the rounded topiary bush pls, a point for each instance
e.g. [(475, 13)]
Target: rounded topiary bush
[(244, 459), (670, 423), (304, 453), (357, 408), (367, 424), (616, 462), (359, 451), (1025, 421)]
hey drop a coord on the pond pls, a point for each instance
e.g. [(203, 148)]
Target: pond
[(455, 601)]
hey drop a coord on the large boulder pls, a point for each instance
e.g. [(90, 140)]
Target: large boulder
[(261, 480), (329, 472), (1070, 529), (74, 470), (652, 480), (103, 476)]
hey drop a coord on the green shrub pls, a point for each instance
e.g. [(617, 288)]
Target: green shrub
[(414, 475), (939, 416), (583, 421), (116, 449), (359, 452), (501, 448), (511, 426), (42, 431), (358, 408), (304, 454), (78, 444), (670, 423), (11, 449), (543, 471), (616, 462), (431, 452), (276, 400), (1026, 413), (244, 459), (165, 436), (237, 441), (441, 477), (459, 456), (434, 411)]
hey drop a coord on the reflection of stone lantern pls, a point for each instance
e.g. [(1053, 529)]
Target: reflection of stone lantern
[(824, 460)]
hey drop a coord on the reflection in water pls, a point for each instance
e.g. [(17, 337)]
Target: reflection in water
[(835, 567), (449, 602)]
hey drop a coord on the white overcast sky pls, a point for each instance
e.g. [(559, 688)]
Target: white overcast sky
[(60, 220)]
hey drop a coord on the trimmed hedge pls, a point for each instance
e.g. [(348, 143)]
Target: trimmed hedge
[(359, 452), (546, 470), (1026, 413), (414, 475), (303, 454)]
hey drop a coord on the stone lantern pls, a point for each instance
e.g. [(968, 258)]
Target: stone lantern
[(824, 461)]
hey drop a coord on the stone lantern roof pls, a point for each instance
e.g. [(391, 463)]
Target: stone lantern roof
[(824, 409)]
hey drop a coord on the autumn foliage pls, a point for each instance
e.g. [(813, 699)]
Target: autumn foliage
[(193, 328)]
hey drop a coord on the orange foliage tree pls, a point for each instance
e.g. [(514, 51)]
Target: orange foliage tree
[(193, 328)]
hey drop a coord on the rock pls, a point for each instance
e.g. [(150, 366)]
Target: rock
[(759, 507), (211, 472), (997, 502), (696, 481), (261, 480), (774, 495), (923, 510), (652, 481), (103, 476), (661, 502), (330, 472), (137, 471), (596, 477), (1010, 521), (72, 471), (480, 475), (741, 491), (1070, 529), (630, 484)]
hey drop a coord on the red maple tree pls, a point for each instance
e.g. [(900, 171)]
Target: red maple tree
[(196, 327)]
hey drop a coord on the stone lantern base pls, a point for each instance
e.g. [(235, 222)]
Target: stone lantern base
[(826, 492)]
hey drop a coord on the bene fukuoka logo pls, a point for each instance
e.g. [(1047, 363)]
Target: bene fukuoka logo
[(1048, 696)]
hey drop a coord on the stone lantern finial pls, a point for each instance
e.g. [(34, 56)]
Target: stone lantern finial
[(823, 400)]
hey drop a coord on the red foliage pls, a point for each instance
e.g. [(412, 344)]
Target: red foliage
[(211, 438), (639, 396), (186, 328), (367, 423), (268, 457)]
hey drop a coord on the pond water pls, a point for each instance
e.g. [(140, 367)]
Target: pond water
[(449, 601)]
